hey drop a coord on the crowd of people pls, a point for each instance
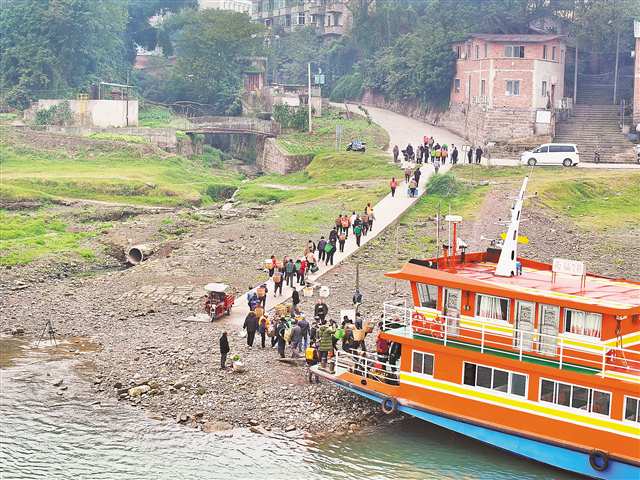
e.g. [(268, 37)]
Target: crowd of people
[(318, 338)]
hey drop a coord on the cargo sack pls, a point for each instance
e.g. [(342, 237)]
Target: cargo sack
[(309, 353), (328, 248)]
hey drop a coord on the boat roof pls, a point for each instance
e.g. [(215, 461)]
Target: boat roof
[(536, 283)]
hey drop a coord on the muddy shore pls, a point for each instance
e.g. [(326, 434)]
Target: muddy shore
[(136, 316)]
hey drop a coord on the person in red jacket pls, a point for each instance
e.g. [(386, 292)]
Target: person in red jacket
[(303, 270)]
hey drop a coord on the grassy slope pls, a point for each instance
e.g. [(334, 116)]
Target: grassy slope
[(593, 199), (121, 175), (323, 137), (334, 182), (26, 237)]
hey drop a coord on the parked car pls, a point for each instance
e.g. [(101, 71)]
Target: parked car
[(565, 154), (356, 146)]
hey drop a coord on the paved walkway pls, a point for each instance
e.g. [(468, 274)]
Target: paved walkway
[(402, 130)]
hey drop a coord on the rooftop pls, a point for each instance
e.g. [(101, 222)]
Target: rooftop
[(477, 273), (516, 37)]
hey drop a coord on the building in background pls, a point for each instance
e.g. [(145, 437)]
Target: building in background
[(243, 6), (507, 86), (331, 18)]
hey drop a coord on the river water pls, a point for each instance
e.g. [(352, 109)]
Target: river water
[(59, 435)]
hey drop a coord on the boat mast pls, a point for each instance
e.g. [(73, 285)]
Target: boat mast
[(507, 262)]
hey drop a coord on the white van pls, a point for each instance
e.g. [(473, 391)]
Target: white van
[(552, 154)]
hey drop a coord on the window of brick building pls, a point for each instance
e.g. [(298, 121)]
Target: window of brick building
[(456, 85), (544, 89), (513, 88), (301, 18), (477, 52), (544, 52), (483, 87), (514, 51), (554, 54), (458, 52), (486, 50)]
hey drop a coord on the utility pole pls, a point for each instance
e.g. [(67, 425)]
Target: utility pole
[(309, 92), (615, 73), (575, 75)]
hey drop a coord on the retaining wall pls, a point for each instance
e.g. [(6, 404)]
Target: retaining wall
[(274, 160)]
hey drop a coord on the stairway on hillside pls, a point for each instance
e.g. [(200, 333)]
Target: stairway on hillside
[(595, 124)]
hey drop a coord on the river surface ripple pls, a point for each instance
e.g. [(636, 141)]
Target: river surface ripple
[(49, 435)]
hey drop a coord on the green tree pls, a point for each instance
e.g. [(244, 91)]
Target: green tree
[(212, 49), (52, 48)]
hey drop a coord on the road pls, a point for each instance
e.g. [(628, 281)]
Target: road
[(402, 130)]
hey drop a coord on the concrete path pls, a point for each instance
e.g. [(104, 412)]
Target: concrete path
[(402, 130)]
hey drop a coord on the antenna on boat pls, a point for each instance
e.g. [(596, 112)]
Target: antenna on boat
[(507, 262)]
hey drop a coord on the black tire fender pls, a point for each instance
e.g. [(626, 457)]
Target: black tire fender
[(389, 405), (599, 460)]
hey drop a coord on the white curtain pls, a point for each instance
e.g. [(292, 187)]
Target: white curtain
[(490, 307), (583, 323)]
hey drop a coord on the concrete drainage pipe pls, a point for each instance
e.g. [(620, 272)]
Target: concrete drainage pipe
[(139, 253)]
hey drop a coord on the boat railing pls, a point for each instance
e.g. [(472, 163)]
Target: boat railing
[(368, 365), (491, 336)]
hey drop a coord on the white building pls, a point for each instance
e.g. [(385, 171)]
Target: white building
[(243, 6)]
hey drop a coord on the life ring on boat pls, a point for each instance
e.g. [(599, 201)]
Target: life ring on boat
[(418, 322), (599, 460), (389, 405)]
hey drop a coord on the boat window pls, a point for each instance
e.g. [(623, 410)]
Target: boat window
[(495, 379), (631, 407), (422, 363), (483, 377), (518, 384), (493, 308), (470, 374), (575, 396), (547, 391), (428, 295), (601, 402), (582, 323)]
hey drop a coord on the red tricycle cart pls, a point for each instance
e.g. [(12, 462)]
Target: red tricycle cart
[(218, 300)]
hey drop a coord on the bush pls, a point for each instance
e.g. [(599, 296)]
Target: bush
[(291, 117), (219, 191), (349, 87), (119, 137), (445, 185), (54, 115)]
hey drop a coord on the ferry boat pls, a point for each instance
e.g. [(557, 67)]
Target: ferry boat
[(541, 360)]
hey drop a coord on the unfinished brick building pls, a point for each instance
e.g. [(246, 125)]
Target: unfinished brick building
[(507, 86)]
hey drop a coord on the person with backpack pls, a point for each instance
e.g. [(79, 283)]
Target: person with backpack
[(413, 188), (417, 175), (311, 246), (344, 223), (396, 153), (364, 225), (407, 174), (224, 350), (251, 326), (444, 153), (338, 223), (321, 245), (262, 295), (342, 238), (303, 323), (277, 282), (263, 327), (393, 184), (303, 270), (274, 265), (479, 153), (371, 217), (330, 249), (289, 271), (358, 233), (325, 332), (281, 328), (296, 340), (333, 237)]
